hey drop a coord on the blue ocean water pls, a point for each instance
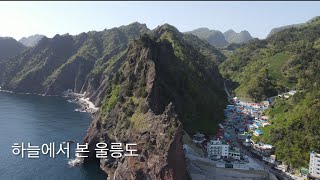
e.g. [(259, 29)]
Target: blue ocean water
[(40, 120)]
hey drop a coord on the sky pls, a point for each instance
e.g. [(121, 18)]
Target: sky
[(19, 19)]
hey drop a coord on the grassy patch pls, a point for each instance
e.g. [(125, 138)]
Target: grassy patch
[(265, 138), (111, 102), (139, 121), (275, 64), (317, 44)]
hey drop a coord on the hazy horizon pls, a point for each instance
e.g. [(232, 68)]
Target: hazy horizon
[(23, 19)]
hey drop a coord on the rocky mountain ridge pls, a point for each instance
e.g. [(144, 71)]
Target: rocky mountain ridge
[(219, 39), (31, 40)]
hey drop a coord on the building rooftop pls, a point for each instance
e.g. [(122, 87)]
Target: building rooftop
[(199, 135), (316, 152), (258, 131), (217, 141)]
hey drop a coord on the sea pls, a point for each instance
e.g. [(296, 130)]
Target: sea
[(41, 120)]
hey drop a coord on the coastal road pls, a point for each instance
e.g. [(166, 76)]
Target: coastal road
[(265, 167), (204, 171)]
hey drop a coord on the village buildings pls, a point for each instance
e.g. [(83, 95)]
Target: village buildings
[(314, 165)]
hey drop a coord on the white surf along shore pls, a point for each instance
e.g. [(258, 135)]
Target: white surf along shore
[(85, 104)]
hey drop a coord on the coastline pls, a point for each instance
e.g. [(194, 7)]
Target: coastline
[(85, 104)]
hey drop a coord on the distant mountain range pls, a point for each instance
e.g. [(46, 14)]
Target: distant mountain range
[(31, 40), (219, 39)]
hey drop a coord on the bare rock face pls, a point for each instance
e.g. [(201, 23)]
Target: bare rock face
[(158, 83), (159, 147), (139, 116), (167, 161)]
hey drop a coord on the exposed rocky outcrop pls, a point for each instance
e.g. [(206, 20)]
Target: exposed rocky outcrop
[(160, 154), (157, 131)]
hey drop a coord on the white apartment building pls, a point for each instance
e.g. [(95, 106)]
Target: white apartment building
[(217, 149), (235, 153), (314, 165)]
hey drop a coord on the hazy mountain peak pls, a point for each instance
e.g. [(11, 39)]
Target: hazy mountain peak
[(234, 37), (219, 39), (229, 31), (214, 37), (31, 40), (245, 31)]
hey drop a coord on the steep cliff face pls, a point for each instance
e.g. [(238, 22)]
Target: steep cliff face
[(159, 84), (137, 116)]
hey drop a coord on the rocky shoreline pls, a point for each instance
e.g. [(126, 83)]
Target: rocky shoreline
[(85, 104)]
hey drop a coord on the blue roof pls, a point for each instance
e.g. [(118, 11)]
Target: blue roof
[(258, 131), (248, 107), (257, 124)]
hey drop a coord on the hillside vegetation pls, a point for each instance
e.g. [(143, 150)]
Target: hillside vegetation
[(289, 59)]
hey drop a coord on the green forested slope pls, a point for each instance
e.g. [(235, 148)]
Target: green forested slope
[(289, 59), (65, 61)]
